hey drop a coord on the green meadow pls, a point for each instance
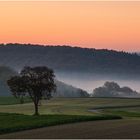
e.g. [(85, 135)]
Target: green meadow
[(18, 122), (73, 106), (16, 117)]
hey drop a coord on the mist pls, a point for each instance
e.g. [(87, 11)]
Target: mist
[(89, 82)]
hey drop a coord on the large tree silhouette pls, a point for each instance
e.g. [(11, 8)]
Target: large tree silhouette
[(36, 82)]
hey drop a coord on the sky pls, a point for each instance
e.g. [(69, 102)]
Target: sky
[(88, 24)]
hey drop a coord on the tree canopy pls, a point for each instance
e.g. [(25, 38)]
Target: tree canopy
[(112, 89), (36, 82)]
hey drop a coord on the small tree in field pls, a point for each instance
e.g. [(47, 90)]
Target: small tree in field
[(36, 82)]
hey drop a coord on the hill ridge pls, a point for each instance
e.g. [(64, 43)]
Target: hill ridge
[(70, 59)]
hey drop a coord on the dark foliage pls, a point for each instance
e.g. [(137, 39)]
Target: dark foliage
[(37, 82), (63, 90), (70, 59), (112, 89)]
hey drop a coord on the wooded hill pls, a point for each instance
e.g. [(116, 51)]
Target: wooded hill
[(70, 59)]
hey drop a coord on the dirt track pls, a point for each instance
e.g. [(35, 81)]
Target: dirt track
[(95, 129)]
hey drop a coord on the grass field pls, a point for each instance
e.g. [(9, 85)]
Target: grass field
[(17, 122), (12, 100), (64, 110), (76, 106)]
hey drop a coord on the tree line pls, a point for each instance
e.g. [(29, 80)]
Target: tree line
[(70, 59)]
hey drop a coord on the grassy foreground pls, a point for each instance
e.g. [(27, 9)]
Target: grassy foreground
[(17, 122), (19, 117), (75, 106), (10, 100)]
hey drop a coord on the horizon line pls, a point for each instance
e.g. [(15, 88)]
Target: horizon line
[(72, 46)]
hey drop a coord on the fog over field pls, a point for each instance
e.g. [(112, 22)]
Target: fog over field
[(89, 82), (80, 67)]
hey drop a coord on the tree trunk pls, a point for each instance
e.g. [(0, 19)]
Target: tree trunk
[(36, 109)]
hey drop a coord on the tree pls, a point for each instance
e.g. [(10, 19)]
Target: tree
[(112, 89), (111, 86), (36, 82)]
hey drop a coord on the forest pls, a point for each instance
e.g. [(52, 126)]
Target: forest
[(71, 59)]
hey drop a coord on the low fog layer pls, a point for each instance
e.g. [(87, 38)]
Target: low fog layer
[(73, 84), (89, 82), (63, 90), (82, 68)]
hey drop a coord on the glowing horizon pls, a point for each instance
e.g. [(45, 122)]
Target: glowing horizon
[(92, 24)]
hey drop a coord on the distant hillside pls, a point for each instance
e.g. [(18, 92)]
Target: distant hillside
[(70, 59), (5, 74), (63, 90)]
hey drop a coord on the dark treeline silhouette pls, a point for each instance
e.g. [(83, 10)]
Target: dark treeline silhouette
[(70, 59), (112, 89)]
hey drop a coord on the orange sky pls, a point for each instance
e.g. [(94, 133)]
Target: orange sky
[(112, 25)]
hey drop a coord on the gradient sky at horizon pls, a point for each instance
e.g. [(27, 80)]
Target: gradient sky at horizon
[(111, 25)]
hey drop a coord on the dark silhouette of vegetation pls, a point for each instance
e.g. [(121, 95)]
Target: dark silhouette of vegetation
[(70, 59), (63, 89), (36, 82), (112, 89)]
